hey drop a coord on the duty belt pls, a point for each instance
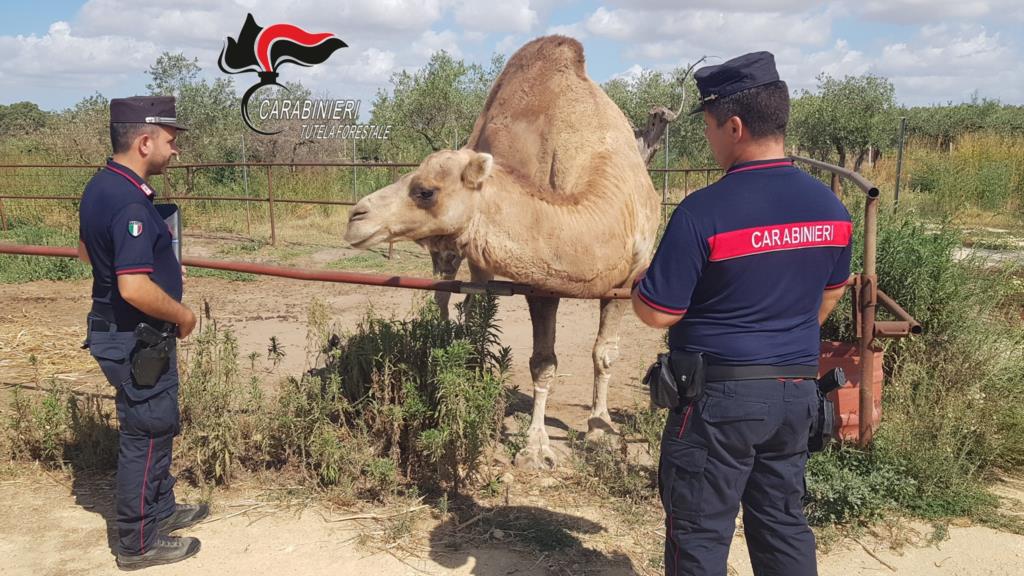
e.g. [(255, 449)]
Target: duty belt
[(720, 372), (102, 325)]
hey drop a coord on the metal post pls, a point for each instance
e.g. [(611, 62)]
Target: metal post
[(245, 186), (686, 183), (868, 299), (3, 214), (270, 199), (354, 192), (664, 190), (899, 162)]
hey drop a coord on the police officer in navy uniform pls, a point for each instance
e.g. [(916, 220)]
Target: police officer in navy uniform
[(138, 279), (747, 270)]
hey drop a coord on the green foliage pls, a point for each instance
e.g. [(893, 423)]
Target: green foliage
[(953, 407), (942, 126), (603, 467), (637, 95), (845, 117), (211, 393), (430, 389), (434, 108), (16, 269), (983, 173), (21, 118), (60, 428), (849, 486)]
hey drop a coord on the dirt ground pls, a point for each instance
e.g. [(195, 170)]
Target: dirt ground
[(56, 524)]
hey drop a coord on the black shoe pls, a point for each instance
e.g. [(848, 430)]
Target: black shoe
[(166, 550), (184, 515)]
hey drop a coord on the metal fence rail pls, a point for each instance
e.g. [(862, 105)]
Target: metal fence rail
[(185, 189)]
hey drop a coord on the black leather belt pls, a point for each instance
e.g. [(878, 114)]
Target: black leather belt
[(720, 372), (101, 325)]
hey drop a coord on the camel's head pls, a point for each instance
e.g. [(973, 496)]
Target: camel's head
[(437, 199)]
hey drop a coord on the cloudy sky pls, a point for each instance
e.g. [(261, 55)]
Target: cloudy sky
[(56, 52)]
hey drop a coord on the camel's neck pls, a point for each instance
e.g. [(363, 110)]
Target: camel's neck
[(573, 246)]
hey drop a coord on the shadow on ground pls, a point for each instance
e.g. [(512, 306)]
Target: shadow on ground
[(552, 539)]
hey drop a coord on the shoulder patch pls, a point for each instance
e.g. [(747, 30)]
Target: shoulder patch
[(134, 228)]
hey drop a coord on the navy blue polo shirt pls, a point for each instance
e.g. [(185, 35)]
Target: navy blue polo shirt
[(746, 260), (124, 234)]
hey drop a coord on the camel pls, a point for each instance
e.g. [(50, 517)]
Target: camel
[(549, 191)]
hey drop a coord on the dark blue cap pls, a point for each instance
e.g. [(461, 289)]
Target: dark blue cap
[(145, 110), (736, 75)]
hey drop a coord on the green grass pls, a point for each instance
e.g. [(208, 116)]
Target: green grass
[(16, 269)]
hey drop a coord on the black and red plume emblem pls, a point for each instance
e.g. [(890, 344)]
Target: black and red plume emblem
[(264, 50)]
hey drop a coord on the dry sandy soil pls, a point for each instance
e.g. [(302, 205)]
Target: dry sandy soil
[(56, 524)]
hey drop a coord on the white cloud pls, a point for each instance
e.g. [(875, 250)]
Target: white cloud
[(630, 74), (616, 24), (919, 11), (373, 67), (732, 5), (507, 16), (63, 58), (951, 66), (672, 34), (195, 22), (430, 42), (508, 44), (577, 30), (939, 64)]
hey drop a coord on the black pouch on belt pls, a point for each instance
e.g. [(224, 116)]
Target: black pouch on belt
[(152, 355), (676, 379)]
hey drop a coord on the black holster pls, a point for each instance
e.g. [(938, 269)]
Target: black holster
[(151, 356), (676, 379), (823, 428)]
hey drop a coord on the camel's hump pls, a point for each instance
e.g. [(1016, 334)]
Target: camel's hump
[(546, 120), (548, 52)]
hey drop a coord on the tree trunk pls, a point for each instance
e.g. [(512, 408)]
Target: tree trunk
[(860, 160), (837, 185)]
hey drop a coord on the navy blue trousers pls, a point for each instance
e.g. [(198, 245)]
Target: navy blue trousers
[(149, 419), (744, 443)]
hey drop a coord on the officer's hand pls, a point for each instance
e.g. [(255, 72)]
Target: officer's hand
[(186, 328)]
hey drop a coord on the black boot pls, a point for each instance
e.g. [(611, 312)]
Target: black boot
[(184, 515), (166, 550)]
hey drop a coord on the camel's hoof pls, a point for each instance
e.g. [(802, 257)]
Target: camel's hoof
[(534, 458), (597, 428)]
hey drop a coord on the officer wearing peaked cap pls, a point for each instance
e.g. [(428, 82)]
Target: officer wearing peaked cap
[(747, 270), (137, 281)]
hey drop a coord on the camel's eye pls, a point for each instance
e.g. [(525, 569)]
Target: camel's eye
[(421, 193)]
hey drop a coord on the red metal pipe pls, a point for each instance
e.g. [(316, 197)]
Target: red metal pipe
[(456, 286)]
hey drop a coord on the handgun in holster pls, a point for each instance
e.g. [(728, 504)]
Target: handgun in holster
[(152, 354), (824, 426)]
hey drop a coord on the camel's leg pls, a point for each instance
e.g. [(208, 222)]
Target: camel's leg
[(446, 265), (543, 367), (606, 351)]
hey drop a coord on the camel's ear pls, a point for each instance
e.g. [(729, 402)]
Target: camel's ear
[(477, 170)]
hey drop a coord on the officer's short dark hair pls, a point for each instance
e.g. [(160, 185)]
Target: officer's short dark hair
[(764, 109), (122, 134)]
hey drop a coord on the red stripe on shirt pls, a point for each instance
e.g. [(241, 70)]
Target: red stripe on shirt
[(793, 236), (659, 307), (135, 271), (759, 166), (839, 285)]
